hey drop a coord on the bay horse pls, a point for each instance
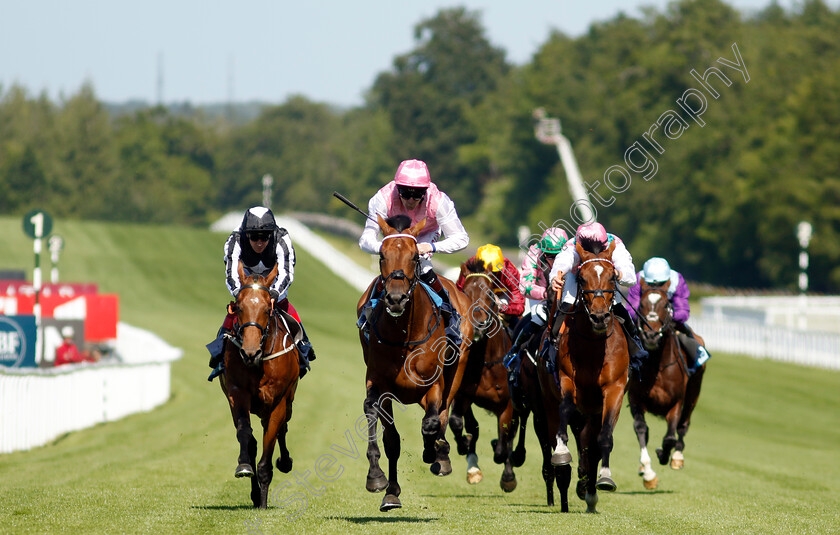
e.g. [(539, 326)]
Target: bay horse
[(587, 389), (485, 378), (664, 387), (261, 377), (408, 357)]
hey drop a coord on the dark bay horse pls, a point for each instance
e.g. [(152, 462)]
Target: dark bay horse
[(261, 376), (587, 390), (664, 387), (485, 378), (408, 357)]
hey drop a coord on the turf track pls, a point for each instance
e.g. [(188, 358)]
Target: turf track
[(762, 454)]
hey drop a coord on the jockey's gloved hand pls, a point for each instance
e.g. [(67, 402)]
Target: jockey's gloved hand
[(275, 295)]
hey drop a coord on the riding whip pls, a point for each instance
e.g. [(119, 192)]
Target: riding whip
[(347, 201)]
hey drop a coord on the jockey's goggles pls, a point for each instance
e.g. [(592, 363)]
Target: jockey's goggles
[(259, 236), (409, 192)]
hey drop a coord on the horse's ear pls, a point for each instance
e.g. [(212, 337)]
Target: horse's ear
[(415, 230), (241, 271), (665, 286), (644, 285), (386, 228), (610, 250), (582, 253), (464, 270), (272, 275)]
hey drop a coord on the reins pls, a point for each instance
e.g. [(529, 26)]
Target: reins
[(264, 330)]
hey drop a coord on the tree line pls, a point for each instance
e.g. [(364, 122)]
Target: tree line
[(703, 135)]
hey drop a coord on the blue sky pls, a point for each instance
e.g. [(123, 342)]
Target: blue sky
[(208, 51)]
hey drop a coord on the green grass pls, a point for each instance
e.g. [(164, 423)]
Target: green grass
[(761, 456)]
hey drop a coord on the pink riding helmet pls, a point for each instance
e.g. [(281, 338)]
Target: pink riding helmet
[(555, 232), (413, 173), (592, 231)]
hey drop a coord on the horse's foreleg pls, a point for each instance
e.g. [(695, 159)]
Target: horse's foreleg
[(456, 423), (391, 441), (613, 396), (640, 426), (474, 475), (376, 480), (692, 393), (240, 409), (517, 458), (272, 425), (561, 455), (588, 447), (670, 438), (507, 432)]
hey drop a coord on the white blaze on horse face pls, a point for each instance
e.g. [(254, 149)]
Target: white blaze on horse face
[(599, 270), (654, 298)]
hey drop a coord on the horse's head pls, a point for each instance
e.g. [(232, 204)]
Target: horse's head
[(479, 286), (254, 309), (657, 311), (596, 286), (399, 262)]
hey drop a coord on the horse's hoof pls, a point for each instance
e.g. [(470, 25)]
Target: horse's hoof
[(244, 470), (561, 459), (663, 458), (677, 464), (641, 469), (474, 476), (652, 484), (429, 455), (605, 484), (441, 468), (284, 465), (376, 484), (508, 485), (390, 502)]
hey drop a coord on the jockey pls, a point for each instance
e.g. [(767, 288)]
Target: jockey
[(534, 281), (658, 274), (506, 276), (593, 237), (413, 194), (260, 244)]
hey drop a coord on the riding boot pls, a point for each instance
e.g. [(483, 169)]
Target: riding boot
[(638, 354), (692, 347), (524, 335), (305, 352), (451, 318), (217, 346), (367, 308), (549, 348)]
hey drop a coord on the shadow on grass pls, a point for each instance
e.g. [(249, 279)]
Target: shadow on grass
[(239, 507), (643, 492), (383, 519)]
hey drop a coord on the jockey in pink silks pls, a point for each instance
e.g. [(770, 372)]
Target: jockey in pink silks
[(657, 273), (594, 238), (413, 195)]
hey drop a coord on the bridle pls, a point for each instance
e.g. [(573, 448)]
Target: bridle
[(493, 312), (667, 323), (264, 329), (399, 274), (600, 292)]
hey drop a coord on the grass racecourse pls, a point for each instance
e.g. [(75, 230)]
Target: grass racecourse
[(762, 455)]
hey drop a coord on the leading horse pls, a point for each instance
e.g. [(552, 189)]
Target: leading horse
[(408, 357), (587, 390), (261, 377), (664, 387), (485, 378)]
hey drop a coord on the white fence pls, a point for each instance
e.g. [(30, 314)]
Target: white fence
[(765, 341), (39, 405)]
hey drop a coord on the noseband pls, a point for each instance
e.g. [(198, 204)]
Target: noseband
[(399, 274), (599, 292), (263, 328)]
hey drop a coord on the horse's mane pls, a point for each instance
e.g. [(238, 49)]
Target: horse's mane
[(475, 265), (399, 222), (593, 246)]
